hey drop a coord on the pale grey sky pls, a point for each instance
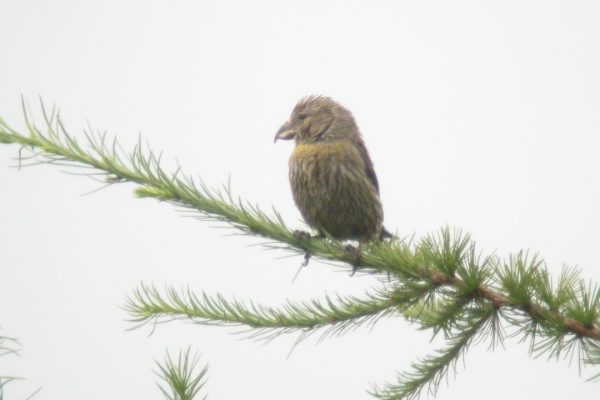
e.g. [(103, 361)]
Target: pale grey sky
[(478, 114)]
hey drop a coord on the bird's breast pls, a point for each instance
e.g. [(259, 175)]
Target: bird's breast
[(317, 168), (314, 157), (332, 191)]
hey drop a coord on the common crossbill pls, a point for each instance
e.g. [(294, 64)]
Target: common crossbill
[(331, 174)]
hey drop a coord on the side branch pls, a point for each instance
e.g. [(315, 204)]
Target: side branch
[(534, 311), (339, 314)]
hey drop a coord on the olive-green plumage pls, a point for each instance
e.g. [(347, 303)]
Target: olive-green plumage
[(331, 174)]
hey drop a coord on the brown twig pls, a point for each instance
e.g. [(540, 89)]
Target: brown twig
[(535, 311)]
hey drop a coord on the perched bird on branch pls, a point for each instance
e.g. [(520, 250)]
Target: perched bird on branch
[(331, 174)]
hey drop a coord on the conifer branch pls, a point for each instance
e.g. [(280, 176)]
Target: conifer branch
[(8, 346), (337, 314), (440, 282), (430, 371), (182, 380)]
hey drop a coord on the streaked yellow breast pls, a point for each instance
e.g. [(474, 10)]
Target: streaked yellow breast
[(335, 152)]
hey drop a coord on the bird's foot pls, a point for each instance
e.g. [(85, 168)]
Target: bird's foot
[(306, 236), (301, 235), (307, 256), (356, 253)]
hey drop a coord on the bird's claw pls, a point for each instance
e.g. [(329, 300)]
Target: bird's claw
[(356, 257), (307, 256), (301, 235)]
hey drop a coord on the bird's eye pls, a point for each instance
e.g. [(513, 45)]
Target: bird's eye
[(302, 116)]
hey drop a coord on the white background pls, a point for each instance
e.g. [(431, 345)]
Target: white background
[(481, 115)]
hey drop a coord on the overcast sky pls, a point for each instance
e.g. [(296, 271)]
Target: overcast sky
[(478, 114)]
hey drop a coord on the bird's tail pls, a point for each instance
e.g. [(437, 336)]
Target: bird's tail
[(385, 234)]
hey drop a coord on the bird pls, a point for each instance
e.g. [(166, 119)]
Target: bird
[(331, 174)]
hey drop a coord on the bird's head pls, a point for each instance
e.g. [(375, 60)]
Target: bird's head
[(318, 118)]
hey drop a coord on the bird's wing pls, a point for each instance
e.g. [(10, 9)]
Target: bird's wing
[(369, 170)]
